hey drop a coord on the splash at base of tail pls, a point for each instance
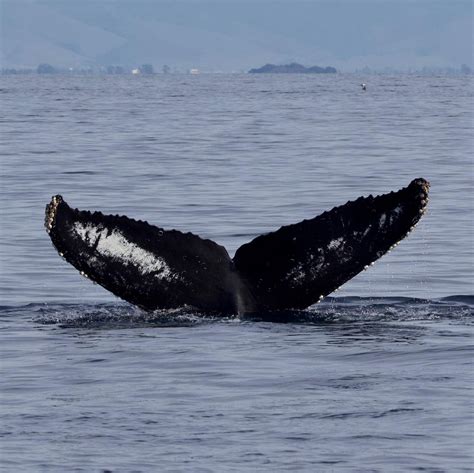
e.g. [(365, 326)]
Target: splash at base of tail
[(291, 268)]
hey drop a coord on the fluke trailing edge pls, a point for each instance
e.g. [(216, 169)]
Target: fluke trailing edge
[(292, 268)]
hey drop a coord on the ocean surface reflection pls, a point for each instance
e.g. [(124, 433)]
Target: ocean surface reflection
[(377, 379)]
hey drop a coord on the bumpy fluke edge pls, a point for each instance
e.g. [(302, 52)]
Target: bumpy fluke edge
[(294, 267), (299, 264)]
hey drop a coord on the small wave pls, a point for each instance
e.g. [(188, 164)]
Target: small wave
[(468, 300), (373, 414), (86, 173), (375, 309)]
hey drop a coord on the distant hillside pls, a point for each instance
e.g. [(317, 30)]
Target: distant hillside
[(229, 36), (128, 33), (292, 68)]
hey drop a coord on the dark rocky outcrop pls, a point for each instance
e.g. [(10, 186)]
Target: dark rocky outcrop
[(292, 68)]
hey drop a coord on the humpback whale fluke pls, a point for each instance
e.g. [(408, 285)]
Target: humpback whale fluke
[(291, 268)]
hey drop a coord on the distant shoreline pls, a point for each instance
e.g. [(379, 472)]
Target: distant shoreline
[(464, 71)]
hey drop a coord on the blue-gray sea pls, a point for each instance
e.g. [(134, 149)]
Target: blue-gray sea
[(378, 378)]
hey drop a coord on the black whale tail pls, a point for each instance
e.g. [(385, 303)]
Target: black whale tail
[(291, 268)]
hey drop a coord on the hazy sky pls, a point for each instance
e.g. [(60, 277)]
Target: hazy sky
[(237, 35)]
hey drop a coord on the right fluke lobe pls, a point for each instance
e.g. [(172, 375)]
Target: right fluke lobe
[(299, 264)]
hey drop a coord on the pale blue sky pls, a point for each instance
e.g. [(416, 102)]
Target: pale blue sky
[(237, 35)]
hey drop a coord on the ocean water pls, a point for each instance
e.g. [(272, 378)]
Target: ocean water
[(378, 378)]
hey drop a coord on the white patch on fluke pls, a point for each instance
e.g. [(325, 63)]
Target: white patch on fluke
[(335, 244), (397, 210), (297, 275), (116, 246)]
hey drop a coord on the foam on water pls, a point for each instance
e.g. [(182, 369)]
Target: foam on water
[(332, 310)]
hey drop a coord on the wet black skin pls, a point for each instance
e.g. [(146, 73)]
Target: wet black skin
[(291, 268)]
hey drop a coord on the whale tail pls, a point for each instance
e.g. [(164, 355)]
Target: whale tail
[(291, 268)]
